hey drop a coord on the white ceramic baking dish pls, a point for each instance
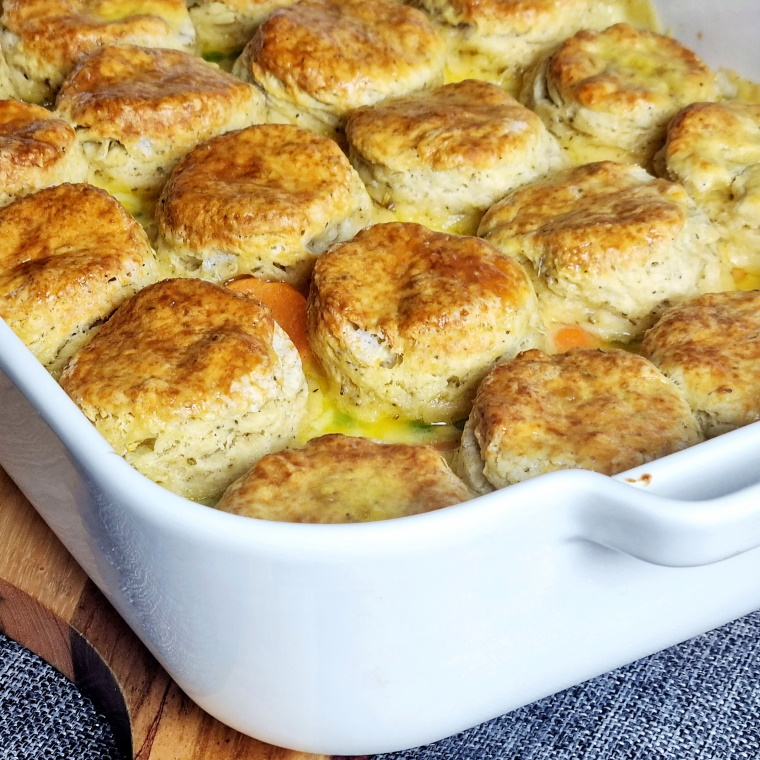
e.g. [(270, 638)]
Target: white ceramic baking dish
[(355, 639)]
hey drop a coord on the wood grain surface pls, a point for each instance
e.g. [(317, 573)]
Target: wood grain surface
[(49, 605)]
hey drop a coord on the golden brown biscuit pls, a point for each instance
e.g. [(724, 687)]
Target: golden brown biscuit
[(266, 200), (442, 157), (497, 40), (713, 150), (37, 150), (42, 40), (709, 347), (138, 110), (610, 94), (225, 26), (584, 409), (317, 60), (69, 255), (608, 246), (406, 321), (191, 383), (340, 479)]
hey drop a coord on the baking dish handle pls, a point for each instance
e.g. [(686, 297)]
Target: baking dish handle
[(696, 507), (672, 532)]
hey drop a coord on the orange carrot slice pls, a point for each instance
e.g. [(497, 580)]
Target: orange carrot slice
[(287, 304), (573, 336)]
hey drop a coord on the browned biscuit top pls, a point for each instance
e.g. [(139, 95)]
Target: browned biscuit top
[(61, 31), (265, 178), (710, 145), (467, 124), (184, 347), (337, 478), (418, 287), (54, 240), (593, 217), (126, 92), (345, 51), (606, 411), (30, 138), (699, 120), (623, 69), (713, 339)]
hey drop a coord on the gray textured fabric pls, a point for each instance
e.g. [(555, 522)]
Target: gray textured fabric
[(42, 714), (697, 701)]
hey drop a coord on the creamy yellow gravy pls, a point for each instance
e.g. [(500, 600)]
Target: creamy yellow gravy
[(326, 416)]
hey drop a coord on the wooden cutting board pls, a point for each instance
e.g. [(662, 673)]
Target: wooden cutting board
[(49, 605)]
